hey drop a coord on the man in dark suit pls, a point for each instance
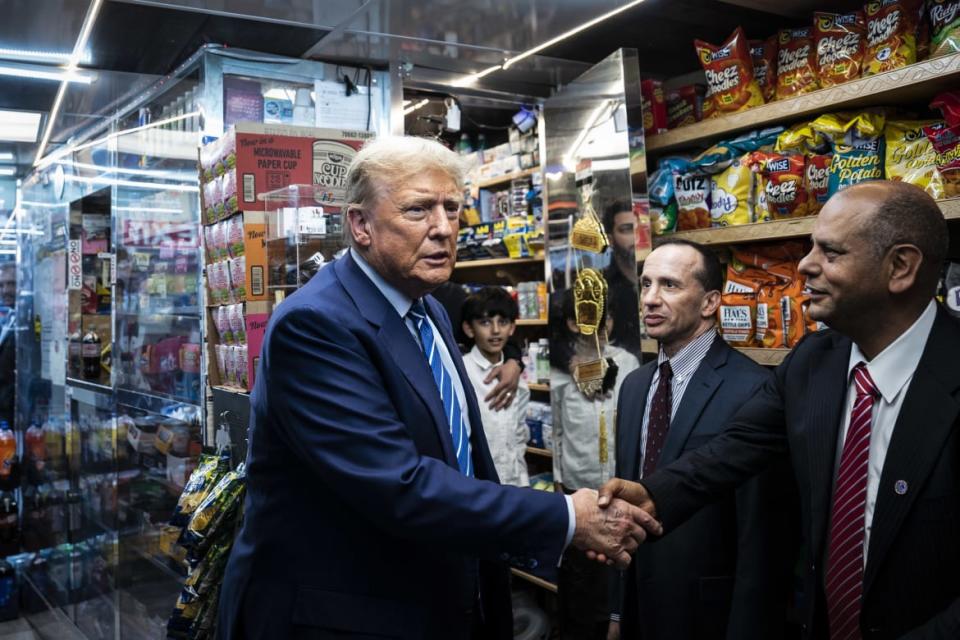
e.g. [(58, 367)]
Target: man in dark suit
[(869, 413), (373, 508), (718, 575)]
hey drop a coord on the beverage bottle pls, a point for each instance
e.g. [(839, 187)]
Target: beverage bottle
[(35, 448), (9, 476), (53, 439), (543, 361), (73, 354), (90, 352)]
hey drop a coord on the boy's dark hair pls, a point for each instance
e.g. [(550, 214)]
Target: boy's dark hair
[(489, 302)]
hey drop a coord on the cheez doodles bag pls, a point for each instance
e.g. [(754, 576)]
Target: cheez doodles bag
[(729, 71), (817, 181), (892, 27), (796, 63), (782, 182), (764, 55), (839, 42)]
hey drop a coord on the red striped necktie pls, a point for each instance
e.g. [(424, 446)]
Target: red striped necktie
[(844, 579)]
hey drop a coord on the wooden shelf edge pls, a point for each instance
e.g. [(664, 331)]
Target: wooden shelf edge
[(926, 77), (507, 177), (546, 453), (540, 582), (538, 386), (495, 262)]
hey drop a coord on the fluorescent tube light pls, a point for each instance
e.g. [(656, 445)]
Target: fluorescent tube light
[(34, 55), (7, 171), (6, 156), (40, 74), (19, 126)]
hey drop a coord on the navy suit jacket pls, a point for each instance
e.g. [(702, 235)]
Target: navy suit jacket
[(910, 586), (357, 520), (724, 573)]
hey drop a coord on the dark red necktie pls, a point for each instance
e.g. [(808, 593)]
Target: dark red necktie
[(844, 579), (659, 421)]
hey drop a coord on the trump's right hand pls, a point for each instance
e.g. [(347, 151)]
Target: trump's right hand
[(613, 532), (633, 492)]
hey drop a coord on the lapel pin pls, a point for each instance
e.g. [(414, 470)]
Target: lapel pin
[(900, 486)]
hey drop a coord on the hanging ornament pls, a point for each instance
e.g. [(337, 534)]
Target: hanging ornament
[(587, 233), (589, 296)]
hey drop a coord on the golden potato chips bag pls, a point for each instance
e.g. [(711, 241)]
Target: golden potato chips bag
[(910, 157)]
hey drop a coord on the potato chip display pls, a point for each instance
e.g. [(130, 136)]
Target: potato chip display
[(946, 144), (764, 55), (729, 70), (944, 26), (737, 318), (892, 27), (796, 63), (838, 38), (769, 329), (782, 182), (731, 194), (857, 144), (910, 157), (692, 192)]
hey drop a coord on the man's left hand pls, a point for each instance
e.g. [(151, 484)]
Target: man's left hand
[(508, 377)]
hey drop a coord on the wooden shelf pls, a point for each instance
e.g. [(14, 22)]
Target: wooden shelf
[(546, 453), (540, 582), (538, 386), (776, 229), (919, 82), (768, 357), (496, 262), (531, 323), (507, 177)]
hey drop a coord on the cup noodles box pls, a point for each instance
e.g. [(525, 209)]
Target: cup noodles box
[(252, 159)]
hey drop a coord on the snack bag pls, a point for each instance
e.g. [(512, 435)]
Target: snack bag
[(654, 107), (209, 470), (892, 27), (215, 514), (782, 183), (838, 38), (946, 144), (737, 318), (817, 181), (791, 310), (857, 144), (948, 103), (684, 106), (693, 201), (944, 26), (769, 319), (233, 237), (663, 218), (910, 157), (764, 56), (729, 70), (731, 195), (744, 278), (796, 63), (236, 321), (221, 318)]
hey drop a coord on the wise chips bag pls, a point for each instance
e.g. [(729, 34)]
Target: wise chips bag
[(910, 157), (782, 184), (796, 63), (729, 71), (858, 147), (764, 55), (945, 26), (892, 28), (839, 43)]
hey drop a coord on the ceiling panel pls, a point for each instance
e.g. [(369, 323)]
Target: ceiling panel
[(47, 25)]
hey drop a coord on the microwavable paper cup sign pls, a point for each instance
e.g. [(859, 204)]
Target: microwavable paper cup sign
[(330, 162)]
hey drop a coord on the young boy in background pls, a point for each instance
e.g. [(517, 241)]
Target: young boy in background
[(489, 318)]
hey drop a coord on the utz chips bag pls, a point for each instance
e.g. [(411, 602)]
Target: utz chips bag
[(910, 157), (782, 183), (729, 70), (796, 63), (737, 318), (839, 42), (731, 194), (684, 106), (692, 192), (946, 143), (944, 26), (892, 27), (764, 56)]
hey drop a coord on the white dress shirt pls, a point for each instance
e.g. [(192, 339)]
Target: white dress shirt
[(892, 370), (506, 429)]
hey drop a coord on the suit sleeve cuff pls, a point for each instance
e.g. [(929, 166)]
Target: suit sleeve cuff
[(571, 522)]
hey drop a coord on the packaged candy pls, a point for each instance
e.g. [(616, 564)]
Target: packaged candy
[(729, 70), (234, 236), (796, 63), (654, 107), (221, 319), (209, 470), (946, 143), (738, 314), (910, 157), (817, 181), (731, 195), (764, 56), (692, 192), (684, 106), (944, 26), (839, 40), (892, 27), (782, 183)]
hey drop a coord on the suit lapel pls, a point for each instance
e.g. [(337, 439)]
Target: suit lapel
[(696, 396), (630, 423), (400, 344), (928, 415), (827, 391)]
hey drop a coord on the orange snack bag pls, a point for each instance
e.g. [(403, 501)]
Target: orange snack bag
[(729, 71), (839, 39), (817, 180), (737, 318), (769, 319), (796, 63), (892, 27), (764, 55), (782, 181)]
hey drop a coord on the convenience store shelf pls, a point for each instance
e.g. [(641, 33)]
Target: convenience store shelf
[(507, 177), (918, 82), (495, 262), (539, 386), (540, 582), (546, 453), (531, 323)]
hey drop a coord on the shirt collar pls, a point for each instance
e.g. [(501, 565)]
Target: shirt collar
[(894, 366), (685, 362), (481, 360), (394, 296)]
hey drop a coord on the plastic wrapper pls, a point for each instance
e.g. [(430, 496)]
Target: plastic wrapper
[(745, 278), (692, 192), (946, 144), (858, 147), (737, 318), (660, 184), (242, 380), (221, 318), (216, 514), (892, 28), (729, 71), (654, 107), (230, 363), (910, 157), (663, 218), (817, 181), (684, 106), (948, 103), (839, 41), (782, 184), (721, 155), (237, 323), (764, 56), (233, 236), (209, 470), (221, 353), (238, 277), (944, 23), (229, 195), (731, 195), (796, 63)]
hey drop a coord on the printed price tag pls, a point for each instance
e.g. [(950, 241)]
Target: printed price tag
[(311, 220)]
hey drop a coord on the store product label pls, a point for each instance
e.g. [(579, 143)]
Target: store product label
[(74, 266), (330, 162)]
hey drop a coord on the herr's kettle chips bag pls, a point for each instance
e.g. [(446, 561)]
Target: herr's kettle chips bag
[(796, 63), (729, 70), (838, 38)]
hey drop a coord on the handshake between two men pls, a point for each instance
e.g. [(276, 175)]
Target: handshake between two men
[(613, 522)]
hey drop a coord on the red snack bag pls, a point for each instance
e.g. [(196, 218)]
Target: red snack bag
[(892, 28), (684, 106), (817, 181), (729, 71), (782, 192), (946, 142), (764, 55), (796, 63), (839, 39), (654, 107)]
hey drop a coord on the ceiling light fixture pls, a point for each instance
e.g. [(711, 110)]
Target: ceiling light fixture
[(7, 171), (19, 126), (34, 55), (416, 106), (6, 156), (78, 49), (37, 73)]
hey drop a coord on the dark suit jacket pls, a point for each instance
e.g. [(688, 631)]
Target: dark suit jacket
[(911, 589), (725, 572), (357, 520)]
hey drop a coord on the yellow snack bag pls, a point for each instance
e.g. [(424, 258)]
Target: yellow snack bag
[(731, 195), (911, 158)]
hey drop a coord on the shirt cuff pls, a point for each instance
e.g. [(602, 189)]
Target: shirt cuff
[(571, 522), (615, 617)]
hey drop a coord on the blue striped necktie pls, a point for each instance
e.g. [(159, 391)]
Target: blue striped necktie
[(444, 380)]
